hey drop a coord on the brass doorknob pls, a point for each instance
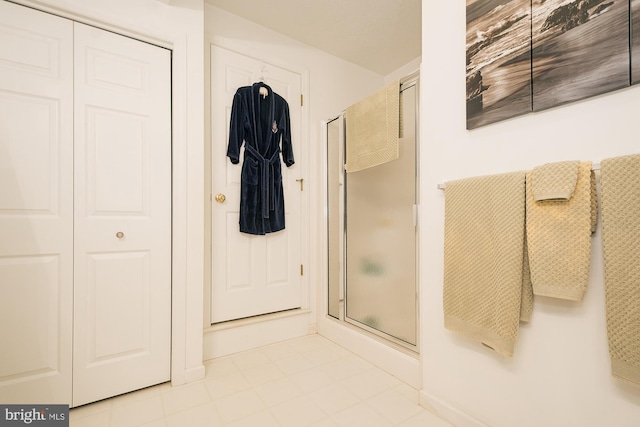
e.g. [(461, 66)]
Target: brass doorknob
[(220, 198)]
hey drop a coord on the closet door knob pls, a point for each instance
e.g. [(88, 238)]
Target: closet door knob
[(119, 234), (220, 198)]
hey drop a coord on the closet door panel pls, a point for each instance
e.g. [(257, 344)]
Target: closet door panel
[(36, 206), (122, 215), (117, 169)]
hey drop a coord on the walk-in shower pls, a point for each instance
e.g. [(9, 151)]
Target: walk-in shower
[(372, 233)]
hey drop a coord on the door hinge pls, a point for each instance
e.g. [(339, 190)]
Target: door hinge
[(301, 181), (301, 270), (301, 100)]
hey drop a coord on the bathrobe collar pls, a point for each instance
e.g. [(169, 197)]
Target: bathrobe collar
[(262, 131)]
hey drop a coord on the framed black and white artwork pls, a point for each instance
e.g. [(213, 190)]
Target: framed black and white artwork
[(580, 49), (498, 60)]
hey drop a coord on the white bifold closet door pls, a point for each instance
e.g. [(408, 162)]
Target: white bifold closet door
[(36, 206), (122, 292), (85, 211)]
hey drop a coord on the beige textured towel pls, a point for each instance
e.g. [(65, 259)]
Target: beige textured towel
[(559, 239), (554, 181), (594, 203), (483, 259), (620, 181), (372, 129), (526, 305)]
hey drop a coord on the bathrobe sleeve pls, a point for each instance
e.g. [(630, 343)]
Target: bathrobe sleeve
[(287, 148), (236, 128)]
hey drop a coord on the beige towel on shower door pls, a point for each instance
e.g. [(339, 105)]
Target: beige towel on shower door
[(620, 182), (372, 129), (559, 227), (483, 259)]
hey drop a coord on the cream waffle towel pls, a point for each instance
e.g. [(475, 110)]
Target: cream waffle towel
[(483, 259), (373, 129), (594, 203), (526, 305), (554, 181), (620, 182), (559, 231)]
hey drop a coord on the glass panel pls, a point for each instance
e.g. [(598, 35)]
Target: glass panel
[(381, 238), (335, 228)]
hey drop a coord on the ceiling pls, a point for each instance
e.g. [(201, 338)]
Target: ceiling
[(379, 35)]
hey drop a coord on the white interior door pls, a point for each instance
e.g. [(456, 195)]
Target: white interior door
[(251, 275), (36, 206), (122, 295)]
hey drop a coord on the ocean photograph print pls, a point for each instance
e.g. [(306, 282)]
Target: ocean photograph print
[(498, 65), (635, 41), (580, 49), (532, 55)]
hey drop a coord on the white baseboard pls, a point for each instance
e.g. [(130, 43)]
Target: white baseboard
[(246, 334), (449, 412), (313, 328), (195, 374)]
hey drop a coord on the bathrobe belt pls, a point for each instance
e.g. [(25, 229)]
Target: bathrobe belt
[(267, 179)]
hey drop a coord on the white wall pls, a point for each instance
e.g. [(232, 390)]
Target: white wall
[(560, 374), (334, 83), (403, 71)]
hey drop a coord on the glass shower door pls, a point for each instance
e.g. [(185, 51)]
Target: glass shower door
[(380, 205)]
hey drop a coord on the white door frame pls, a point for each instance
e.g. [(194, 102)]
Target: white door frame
[(184, 35)]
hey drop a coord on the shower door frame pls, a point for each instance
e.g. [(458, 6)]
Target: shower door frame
[(406, 83)]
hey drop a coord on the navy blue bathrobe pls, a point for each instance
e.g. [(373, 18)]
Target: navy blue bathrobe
[(261, 123)]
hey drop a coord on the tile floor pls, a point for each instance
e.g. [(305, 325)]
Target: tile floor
[(308, 381)]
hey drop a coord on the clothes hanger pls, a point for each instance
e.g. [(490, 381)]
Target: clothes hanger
[(263, 90)]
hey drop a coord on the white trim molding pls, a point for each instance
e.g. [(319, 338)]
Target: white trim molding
[(454, 415), (246, 334)]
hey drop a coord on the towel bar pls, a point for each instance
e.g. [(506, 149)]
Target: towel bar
[(595, 167)]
